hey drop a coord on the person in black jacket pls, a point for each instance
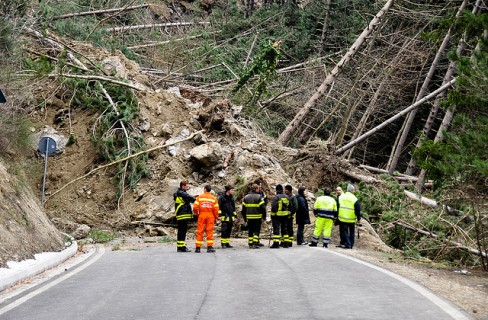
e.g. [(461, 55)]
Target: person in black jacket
[(280, 212), (293, 211), (183, 211), (253, 212), (227, 213), (303, 216)]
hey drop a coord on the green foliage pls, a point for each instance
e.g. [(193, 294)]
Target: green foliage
[(89, 28), (460, 159), (101, 236), (41, 66), (166, 239), (109, 135), (15, 134), (264, 66)]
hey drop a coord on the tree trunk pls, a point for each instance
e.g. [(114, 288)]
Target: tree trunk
[(325, 25), (367, 113), (292, 127), (395, 117), (154, 25), (433, 235), (449, 115), (397, 148), (86, 13)]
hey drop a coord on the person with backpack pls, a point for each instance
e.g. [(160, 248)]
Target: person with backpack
[(303, 216), (206, 207), (183, 213), (280, 211), (253, 212), (325, 209), (293, 211), (227, 214)]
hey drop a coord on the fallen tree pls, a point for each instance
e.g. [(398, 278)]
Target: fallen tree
[(433, 235)]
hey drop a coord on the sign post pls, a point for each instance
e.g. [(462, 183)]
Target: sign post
[(47, 146), (2, 97)]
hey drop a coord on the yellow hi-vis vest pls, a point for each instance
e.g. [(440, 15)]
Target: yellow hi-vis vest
[(346, 208), (180, 215), (325, 207)]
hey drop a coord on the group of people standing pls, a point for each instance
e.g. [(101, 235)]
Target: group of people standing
[(343, 210), (285, 209)]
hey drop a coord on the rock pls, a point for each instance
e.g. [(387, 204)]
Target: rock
[(114, 66), (208, 154), (200, 139), (236, 111), (81, 232), (173, 149), (221, 174), (162, 231), (50, 132), (260, 161), (175, 91)]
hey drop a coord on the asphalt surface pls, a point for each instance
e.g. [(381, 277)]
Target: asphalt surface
[(159, 283)]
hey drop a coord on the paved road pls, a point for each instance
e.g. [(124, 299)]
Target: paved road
[(295, 283)]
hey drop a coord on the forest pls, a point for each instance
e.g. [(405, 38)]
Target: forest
[(398, 88)]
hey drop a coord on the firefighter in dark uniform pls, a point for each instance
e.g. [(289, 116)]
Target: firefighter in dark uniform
[(227, 213), (253, 212), (259, 182), (293, 211), (183, 211), (280, 211)]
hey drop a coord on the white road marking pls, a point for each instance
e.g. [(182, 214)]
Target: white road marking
[(441, 303), (34, 293)]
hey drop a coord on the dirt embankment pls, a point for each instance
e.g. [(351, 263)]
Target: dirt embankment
[(24, 227)]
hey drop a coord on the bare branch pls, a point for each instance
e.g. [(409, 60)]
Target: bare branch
[(155, 25), (125, 159), (87, 13)]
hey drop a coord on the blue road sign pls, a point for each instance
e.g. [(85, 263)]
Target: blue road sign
[(47, 145)]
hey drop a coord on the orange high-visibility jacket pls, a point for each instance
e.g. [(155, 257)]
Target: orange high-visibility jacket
[(206, 203)]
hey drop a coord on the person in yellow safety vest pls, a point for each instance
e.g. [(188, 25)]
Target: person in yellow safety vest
[(349, 214), (325, 209), (253, 212), (206, 208), (280, 211), (183, 213), (227, 214), (339, 192)]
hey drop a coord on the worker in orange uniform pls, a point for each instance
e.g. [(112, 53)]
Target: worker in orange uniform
[(206, 207)]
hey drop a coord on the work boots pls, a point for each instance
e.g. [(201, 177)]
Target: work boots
[(210, 249), (313, 244), (182, 249), (326, 245), (275, 245), (227, 245), (197, 250)]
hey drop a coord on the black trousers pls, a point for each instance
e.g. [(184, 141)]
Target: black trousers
[(254, 230), (181, 235), (289, 228), (348, 232), (279, 224), (300, 229), (226, 229)]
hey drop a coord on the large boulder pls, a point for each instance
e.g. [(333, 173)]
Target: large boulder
[(208, 154)]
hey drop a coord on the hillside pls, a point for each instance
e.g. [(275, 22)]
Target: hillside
[(219, 93), (24, 229)]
